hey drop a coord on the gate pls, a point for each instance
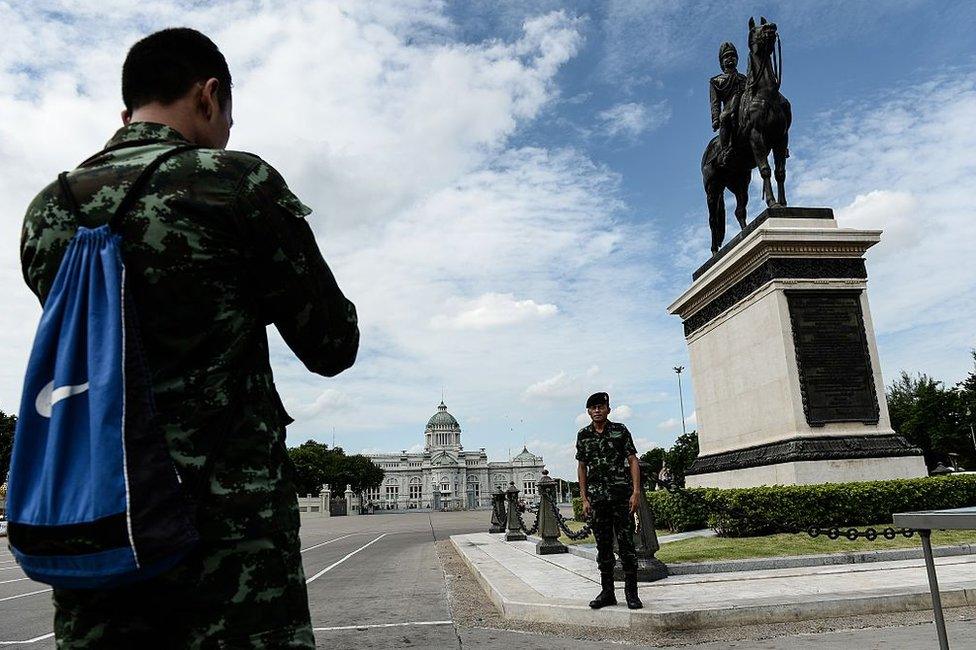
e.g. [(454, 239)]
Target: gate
[(337, 507)]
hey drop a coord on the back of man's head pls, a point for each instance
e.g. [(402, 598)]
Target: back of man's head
[(164, 66)]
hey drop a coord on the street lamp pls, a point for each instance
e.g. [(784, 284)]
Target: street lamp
[(969, 416), (681, 398)]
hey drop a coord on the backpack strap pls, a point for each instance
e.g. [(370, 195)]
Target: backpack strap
[(132, 194), (137, 186), (69, 196)]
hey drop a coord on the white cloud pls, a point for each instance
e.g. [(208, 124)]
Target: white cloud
[(329, 400), (493, 310), (557, 386), (583, 419), (895, 212), (621, 413), (562, 386), (669, 424), (559, 457), (674, 424), (629, 120)]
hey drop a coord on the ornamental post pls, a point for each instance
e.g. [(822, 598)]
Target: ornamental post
[(325, 501), (548, 525), (497, 511), (649, 568), (514, 533)]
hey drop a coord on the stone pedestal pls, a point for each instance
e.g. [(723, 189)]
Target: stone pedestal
[(788, 386)]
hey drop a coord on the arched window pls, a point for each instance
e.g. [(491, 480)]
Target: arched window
[(392, 489)]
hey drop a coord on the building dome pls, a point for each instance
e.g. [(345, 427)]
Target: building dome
[(442, 419), (525, 456)]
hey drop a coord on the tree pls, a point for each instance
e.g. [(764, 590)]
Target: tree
[(681, 455), (7, 425), (362, 473), (315, 465), (928, 415), (655, 458), (313, 461), (966, 391)]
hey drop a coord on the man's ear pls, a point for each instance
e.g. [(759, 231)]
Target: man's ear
[(209, 102), (126, 117)]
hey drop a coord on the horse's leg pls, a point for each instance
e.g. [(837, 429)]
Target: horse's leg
[(741, 191), (716, 214), (779, 159), (761, 153)]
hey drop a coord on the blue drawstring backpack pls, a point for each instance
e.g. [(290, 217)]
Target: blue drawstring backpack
[(94, 499)]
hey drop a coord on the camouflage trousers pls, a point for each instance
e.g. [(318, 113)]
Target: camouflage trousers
[(247, 593), (612, 520)]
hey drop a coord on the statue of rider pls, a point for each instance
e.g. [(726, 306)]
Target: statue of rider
[(724, 92)]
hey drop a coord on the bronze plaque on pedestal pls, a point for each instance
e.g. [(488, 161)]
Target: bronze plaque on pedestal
[(836, 380)]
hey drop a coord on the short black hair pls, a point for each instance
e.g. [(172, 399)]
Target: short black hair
[(598, 398), (163, 66)]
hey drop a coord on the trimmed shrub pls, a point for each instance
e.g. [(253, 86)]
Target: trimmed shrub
[(787, 508), (578, 509)]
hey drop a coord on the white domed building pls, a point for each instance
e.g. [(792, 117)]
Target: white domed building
[(445, 475)]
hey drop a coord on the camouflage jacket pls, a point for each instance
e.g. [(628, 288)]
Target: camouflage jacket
[(216, 249), (605, 456)]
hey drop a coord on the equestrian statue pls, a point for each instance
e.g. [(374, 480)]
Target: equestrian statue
[(753, 119)]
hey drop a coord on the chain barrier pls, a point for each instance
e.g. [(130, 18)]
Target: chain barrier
[(535, 526), (869, 534), (833, 532), (582, 533)]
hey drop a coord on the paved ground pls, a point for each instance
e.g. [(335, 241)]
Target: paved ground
[(378, 582)]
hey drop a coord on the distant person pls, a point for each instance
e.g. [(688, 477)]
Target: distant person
[(215, 248), (609, 480)]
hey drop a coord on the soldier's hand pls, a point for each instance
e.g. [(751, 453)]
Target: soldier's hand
[(634, 502), (586, 508)]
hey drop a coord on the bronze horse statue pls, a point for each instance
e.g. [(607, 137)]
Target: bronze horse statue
[(762, 125)]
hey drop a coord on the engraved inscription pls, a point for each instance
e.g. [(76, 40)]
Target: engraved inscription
[(836, 381)]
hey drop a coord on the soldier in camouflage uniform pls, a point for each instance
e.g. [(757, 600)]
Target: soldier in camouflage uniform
[(216, 249), (609, 480)]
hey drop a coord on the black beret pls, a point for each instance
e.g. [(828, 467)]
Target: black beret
[(598, 398)]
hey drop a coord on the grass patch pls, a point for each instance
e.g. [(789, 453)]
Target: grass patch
[(702, 549)]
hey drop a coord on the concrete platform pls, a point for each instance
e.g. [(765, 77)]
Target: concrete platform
[(557, 588)]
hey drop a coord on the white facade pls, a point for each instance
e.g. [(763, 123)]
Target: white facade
[(444, 475)]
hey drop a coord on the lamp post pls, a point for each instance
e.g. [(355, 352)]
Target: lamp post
[(969, 416), (681, 398)]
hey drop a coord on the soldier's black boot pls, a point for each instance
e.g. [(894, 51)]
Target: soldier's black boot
[(630, 591), (606, 596)]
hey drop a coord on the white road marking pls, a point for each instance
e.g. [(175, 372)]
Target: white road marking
[(30, 593), (363, 627), (34, 640), (329, 542), (335, 564), (4, 582)]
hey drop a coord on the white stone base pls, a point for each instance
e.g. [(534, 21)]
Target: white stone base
[(813, 472)]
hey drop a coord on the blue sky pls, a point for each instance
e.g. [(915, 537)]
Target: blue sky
[(510, 191)]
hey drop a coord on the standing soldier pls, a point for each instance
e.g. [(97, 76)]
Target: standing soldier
[(609, 480), (216, 249), (724, 92)]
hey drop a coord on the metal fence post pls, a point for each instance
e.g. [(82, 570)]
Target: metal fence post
[(497, 511), (548, 525), (514, 533), (649, 568)]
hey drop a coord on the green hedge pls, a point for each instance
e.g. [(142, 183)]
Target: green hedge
[(783, 508)]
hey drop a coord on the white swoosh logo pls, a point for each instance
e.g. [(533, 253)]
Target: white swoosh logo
[(49, 396)]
